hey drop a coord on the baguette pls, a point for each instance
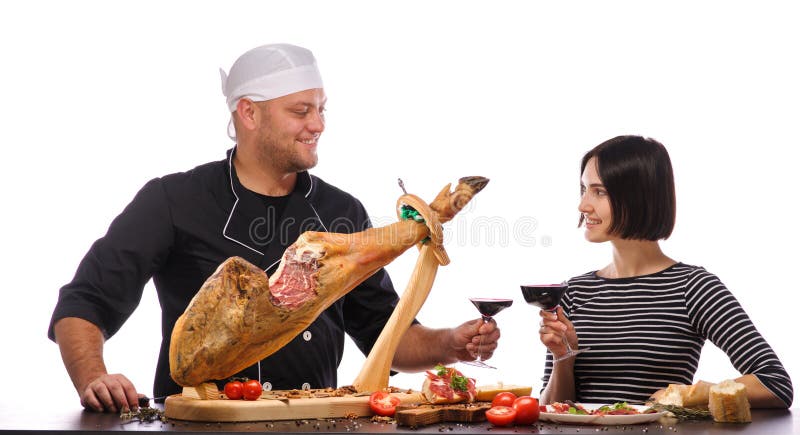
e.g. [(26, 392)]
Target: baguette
[(728, 403), (486, 393), (687, 396)]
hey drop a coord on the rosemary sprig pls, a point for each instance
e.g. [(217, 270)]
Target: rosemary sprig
[(682, 413), (144, 415)]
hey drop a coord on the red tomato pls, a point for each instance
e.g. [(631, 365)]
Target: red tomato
[(251, 390), (505, 398), (527, 409), (233, 390), (501, 415), (383, 403)]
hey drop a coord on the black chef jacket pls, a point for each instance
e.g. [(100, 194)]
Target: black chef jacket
[(180, 227)]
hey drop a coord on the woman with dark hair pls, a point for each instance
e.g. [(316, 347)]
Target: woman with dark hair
[(645, 316)]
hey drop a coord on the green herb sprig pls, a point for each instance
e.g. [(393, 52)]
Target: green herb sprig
[(682, 413), (457, 382)]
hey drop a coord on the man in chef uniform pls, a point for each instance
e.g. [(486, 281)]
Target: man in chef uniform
[(253, 204)]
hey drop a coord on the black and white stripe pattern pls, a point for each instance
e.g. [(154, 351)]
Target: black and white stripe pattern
[(646, 332)]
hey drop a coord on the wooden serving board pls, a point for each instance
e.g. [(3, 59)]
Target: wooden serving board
[(423, 415), (180, 407)]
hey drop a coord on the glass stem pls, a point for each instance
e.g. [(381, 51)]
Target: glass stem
[(486, 319), (564, 338)]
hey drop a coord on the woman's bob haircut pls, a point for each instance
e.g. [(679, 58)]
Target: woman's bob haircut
[(637, 174)]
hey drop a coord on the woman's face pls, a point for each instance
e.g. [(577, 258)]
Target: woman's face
[(595, 204)]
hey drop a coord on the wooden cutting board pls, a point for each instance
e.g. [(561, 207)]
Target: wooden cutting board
[(180, 407), (423, 415)]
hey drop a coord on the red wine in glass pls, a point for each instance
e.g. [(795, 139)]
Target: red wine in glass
[(544, 296), (547, 297), (488, 307)]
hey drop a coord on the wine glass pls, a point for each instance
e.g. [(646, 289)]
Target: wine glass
[(547, 297), (488, 307)]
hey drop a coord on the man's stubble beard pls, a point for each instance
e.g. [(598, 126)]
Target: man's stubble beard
[(286, 160)]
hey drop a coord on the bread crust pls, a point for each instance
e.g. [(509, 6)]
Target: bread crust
[(687, 396), (728, 402)]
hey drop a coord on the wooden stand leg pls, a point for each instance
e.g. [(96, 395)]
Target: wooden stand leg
[(374, 374)]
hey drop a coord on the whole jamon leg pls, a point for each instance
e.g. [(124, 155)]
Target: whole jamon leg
[(240, 316)]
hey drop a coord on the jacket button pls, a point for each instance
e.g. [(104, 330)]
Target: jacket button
[(307, 336)]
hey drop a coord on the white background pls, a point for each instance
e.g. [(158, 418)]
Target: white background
[(99, 97)]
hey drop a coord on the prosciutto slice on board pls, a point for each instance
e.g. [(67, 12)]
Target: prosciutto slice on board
[(448, 385)]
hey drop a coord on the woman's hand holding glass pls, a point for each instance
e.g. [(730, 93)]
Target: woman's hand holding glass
[(552, 330)]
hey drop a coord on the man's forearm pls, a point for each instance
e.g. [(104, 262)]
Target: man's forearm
[(81, 345), (421, 348)]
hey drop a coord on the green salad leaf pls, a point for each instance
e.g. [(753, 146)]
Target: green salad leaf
[(614, 407)]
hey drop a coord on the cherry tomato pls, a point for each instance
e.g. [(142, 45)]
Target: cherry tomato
[(505, 398), (383, 403), (251, 390), (233, 390), (527, 409), (501, 415)]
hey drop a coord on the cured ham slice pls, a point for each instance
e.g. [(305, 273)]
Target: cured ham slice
[(240, 316), (448, 385)]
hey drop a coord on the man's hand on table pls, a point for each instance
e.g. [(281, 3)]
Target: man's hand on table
[(109, 393)]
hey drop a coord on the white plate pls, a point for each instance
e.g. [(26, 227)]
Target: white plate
[(554, 417)]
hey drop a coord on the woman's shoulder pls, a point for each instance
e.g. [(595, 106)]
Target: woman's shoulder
[(692, 272), (590, 276), (696, 280), (677, 272)]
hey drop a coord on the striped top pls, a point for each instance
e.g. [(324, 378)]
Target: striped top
[(646, 332)]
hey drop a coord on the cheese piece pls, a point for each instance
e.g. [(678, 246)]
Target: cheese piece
[(487, 392)]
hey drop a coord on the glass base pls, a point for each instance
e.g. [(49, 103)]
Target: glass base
[(570, 354), (478, 363)]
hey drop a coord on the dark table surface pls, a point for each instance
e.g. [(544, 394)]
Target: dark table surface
[(66, 419)]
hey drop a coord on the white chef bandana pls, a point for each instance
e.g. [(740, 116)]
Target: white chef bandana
[(268, 72)]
